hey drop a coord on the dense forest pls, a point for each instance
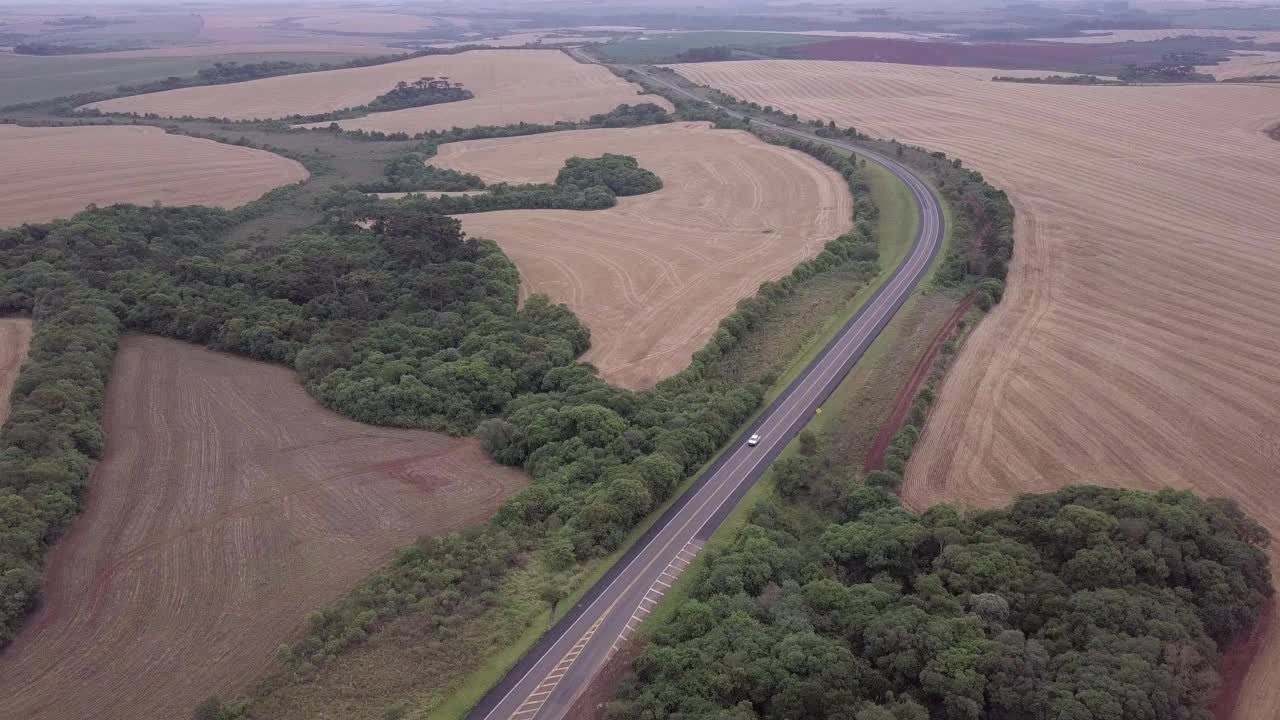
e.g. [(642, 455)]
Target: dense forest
[(1084, 604)]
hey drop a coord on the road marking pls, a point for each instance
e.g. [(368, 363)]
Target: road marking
[(535, 700)]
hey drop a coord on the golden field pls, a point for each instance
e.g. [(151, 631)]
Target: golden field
[(653, 276), (540, 86), (56, 172)]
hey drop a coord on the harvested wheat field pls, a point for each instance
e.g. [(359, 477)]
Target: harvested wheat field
[(56, 172), (653, 276), (1244, 64), (510, 86), (228, 505), (15, 339), (1137, 345)]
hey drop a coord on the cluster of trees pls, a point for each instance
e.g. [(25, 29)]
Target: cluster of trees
[(419, 93), (619, 174), (424, 91), (1086, 603), (705, 54), (1059, 80), (1172, 67), (582, 184), (52, 437), (410, 172)]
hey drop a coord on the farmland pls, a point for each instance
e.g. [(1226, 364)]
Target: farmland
[(1117, 36), (15, 337), (1136, 343), (56, 172), (27, 78), (509, 86), (227, 505), (653, 276), (1245, 64)]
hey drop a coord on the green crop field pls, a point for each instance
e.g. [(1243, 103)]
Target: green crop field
[(27, 78), (659, 47)]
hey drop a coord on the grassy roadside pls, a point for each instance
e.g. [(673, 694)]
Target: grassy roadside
[(898, 226)]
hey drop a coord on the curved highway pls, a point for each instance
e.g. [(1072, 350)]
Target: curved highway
[(550, 677)]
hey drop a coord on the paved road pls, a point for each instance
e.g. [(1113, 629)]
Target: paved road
[(545, 683)]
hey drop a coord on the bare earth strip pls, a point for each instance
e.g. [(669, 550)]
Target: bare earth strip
[(1138, 342), (653, 276), (539, 86), (56, 172), (15, 339), (227, 506)]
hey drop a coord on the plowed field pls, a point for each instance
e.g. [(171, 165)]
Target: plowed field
[(653, 276), (539, 86), (56, 172), (228, 504), (15, 338), (1137, 345)]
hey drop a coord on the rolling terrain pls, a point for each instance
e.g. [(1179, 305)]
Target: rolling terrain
[(653, 276), (1136, 344), (540, 86), (15, 338), (56, 172), (227, 505)]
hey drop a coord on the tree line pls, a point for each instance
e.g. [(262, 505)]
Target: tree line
[(582, 184)]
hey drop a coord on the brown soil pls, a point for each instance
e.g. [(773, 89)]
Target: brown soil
[(538, 86), (228, 504), (1236, 662), (653, 276), (56, 172), (15, 340), (906, 397), (1136, 344)]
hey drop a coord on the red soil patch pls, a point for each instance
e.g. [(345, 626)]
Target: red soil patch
[(993, 55), (1236, 662), (594, 701), (907, 395), (227, 505)]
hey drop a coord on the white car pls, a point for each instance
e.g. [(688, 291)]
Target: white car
[(753, 441)]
